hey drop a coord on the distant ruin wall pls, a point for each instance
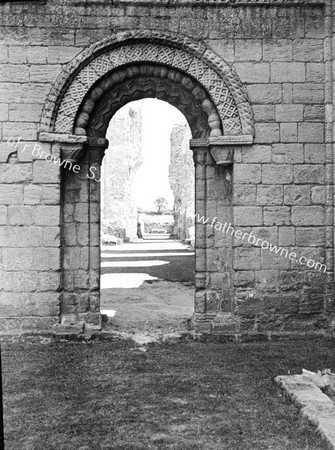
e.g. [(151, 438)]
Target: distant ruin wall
[(181, 176), (121, 163)]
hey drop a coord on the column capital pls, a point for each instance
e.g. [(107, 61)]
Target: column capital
[(221, 148), (71, 152), (96, 150)]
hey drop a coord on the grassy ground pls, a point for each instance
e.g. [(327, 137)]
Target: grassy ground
[(185, 395)]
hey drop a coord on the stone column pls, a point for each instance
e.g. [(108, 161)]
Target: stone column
[(200, 157), (95, 154), (213, 249), (80, 158)]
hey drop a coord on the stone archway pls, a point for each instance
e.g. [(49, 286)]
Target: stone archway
[(106, 76)]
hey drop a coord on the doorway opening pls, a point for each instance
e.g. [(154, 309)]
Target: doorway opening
[(147, 220)]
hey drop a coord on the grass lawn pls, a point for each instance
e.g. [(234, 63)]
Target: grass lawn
[(180, 395)]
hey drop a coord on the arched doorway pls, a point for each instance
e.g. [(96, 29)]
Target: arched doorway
[(147, 185), (91, 89)]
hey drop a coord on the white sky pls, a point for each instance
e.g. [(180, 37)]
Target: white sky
[(152, 179)]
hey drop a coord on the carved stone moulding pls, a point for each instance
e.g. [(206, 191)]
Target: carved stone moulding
[(73, 146), (221, 148), (180, 53)]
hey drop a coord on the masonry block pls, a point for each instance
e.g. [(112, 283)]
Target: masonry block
[(247, 258), (257, 154), (307, 216), (244, 194), (308, 93), (289, 113), (288, 153), (275, 260), (25, 112), (60, 54), (264, 113), (265, 93), (45, 172), (47, 259), (297, 195), (244, 277), (42, 73), (276, 215), (282, 304), (51, 236), (21, 236), (17, 54), (286, 236), (25, 130), (253, 72), (51, 194), (315, 72), (308, 50), (248, 50), (309, 173), (18, 259), (247, 215), (47, 215), (15, 173), (20, 215), (37, 55), (32, 194), (311, 132), (319, 195), (314, 113), (247, 173), (315, 153), (287, 72), (270, 195), (14, 73), (266, 133), (277, 174), (278, 50), (289, 132), (314, 237), (11, 194)]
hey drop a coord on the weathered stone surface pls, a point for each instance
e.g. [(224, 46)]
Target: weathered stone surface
[(70, 75)]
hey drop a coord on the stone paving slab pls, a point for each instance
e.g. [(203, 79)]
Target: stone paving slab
[(315, 406)]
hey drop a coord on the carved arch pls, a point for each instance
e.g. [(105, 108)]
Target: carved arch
[(179, 55), (145, 81)]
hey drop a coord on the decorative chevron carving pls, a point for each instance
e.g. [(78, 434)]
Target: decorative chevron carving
[(176, 58), (148, 81)]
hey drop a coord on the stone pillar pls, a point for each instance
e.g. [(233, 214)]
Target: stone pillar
[(81, 159), (213, 247), (201, 157), (95, 154)]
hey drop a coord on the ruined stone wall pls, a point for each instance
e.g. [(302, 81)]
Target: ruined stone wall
[(121, 163), (277, 185), (181, 176)]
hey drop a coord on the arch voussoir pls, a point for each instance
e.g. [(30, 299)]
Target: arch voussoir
[(185, 61)]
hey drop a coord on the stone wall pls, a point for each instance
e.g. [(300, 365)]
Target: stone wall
[(280, 188), (181, 176), (120, 165)]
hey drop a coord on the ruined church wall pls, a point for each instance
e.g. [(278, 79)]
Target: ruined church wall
[(278, 183)]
